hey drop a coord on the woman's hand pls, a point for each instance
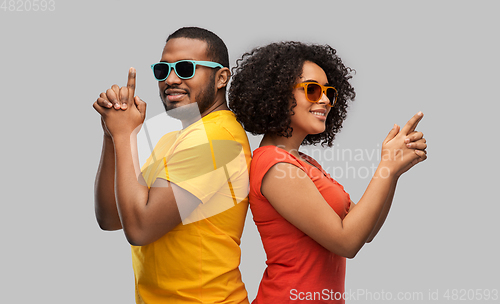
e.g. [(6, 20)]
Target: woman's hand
[(402, 149)]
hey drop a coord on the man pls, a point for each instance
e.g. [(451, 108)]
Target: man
[(184, 214)]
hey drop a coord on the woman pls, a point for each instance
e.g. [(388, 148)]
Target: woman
[(296, 94)]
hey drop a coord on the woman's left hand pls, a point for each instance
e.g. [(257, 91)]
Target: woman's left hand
[(415, 140)]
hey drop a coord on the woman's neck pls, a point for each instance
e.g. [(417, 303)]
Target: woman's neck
[(290, 144)]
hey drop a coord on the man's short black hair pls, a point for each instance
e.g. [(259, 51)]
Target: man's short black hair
[(216, 48)]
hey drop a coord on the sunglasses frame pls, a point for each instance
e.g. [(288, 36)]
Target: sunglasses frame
[(323, 90), (209, 64)]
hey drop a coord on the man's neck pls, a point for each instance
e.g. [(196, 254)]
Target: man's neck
[(217, 106)]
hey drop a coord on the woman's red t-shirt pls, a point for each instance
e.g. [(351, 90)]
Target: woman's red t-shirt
[(298, 268)]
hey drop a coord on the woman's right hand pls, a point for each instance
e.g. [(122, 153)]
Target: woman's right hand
[(403, 149)]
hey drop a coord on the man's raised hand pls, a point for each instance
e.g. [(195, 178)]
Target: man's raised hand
[(122, 99), (112, 98)]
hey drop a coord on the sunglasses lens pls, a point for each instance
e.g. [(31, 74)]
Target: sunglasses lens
[(313, 92), (331, 94), (184, 69), (160, 71)]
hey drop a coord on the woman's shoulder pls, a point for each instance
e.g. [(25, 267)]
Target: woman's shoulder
[(308, 159), (265, 157), (272, 155)]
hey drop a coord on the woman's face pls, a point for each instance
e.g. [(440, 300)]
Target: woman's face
[(310, 118)]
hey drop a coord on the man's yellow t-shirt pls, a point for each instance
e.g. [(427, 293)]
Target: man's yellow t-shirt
[(197, 261)]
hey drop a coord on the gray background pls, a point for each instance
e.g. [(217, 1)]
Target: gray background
[(439, 57)]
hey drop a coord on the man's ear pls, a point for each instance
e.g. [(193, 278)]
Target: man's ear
[(222, 77)]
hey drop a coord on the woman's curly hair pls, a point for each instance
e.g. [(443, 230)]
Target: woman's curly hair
[(261, 89)]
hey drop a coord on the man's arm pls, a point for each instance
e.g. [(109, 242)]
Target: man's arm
[(145, 214), (104, 189)]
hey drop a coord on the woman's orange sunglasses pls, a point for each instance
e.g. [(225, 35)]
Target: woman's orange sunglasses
[(314, 91)]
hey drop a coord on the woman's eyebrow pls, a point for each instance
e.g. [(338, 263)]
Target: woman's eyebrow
[(312, 80)]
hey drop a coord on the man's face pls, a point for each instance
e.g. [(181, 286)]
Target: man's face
[(175, 92)]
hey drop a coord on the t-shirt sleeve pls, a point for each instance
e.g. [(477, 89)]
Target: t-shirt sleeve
[(207, 160), (264, 161)]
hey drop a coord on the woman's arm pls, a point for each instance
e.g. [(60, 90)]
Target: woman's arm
[(414, 140), (383, 214), (297, 199)]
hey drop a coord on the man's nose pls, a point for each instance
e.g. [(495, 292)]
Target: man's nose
[(173, 78)]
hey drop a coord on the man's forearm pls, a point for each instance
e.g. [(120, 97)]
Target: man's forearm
[(131, 193), (104, 189)]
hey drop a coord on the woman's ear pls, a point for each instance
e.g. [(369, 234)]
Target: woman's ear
[(223, 76)]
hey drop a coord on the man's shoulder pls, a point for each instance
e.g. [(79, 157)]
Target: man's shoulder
[(222, 125), (219, 129)]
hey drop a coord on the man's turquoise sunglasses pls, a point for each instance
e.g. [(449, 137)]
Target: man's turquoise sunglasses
[(183, 68)]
